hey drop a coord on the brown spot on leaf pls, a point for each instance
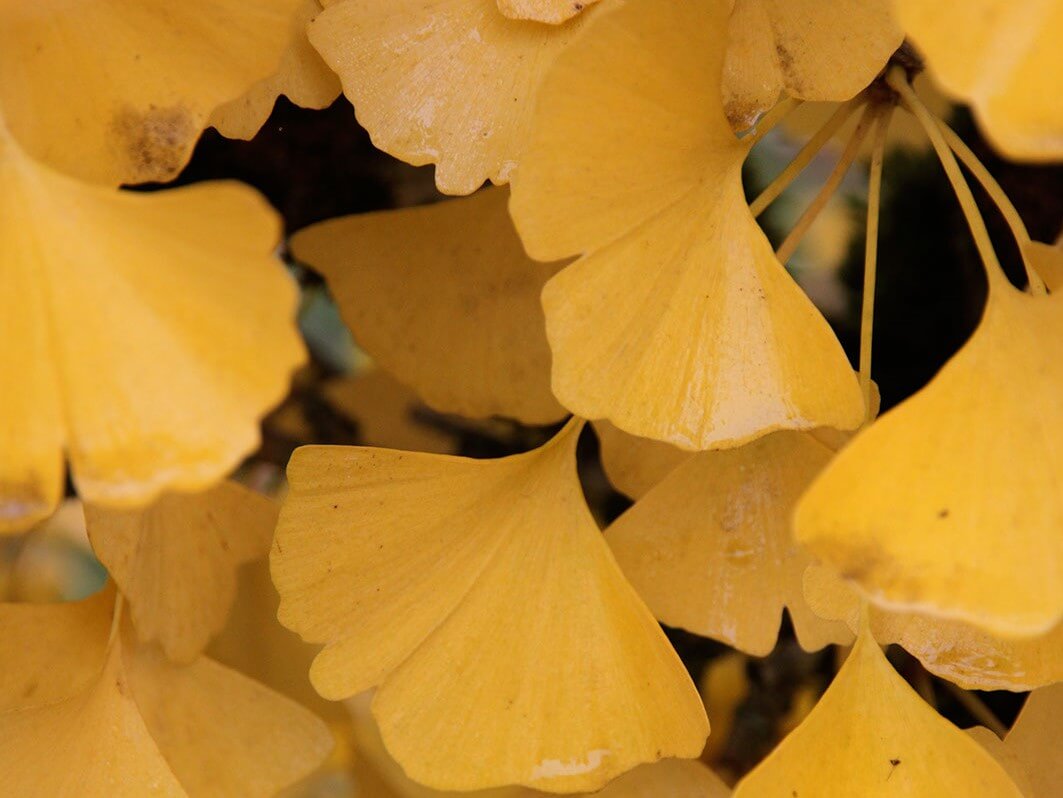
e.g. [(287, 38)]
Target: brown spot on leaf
[(155, 143)]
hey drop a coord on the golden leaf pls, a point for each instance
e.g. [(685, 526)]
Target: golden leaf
[(678, 323), (503, 583), (674, 778), (872, 735), (137, 340), (175, 561), (709, 548), (552, 12), (950, 504), (444, 298), (806, 48), (51, 651), (117, 91), (302, 77), (133, 724), (1003, 58), (633, 464), (414, 71), (964, 654)]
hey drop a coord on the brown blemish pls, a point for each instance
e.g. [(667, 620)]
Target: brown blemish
[(155, 142), (944, 513)]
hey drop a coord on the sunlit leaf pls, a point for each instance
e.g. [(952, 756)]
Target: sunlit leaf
[(481, 598), (964, 654), (806, 48), (415, 72), (1003, 58), (709, 548), (149, 333), (117, 91), (950, 504), (872, 735), (302, 77), (678, 323)]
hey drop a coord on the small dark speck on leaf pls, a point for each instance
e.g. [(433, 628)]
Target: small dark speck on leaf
[(943, 513)]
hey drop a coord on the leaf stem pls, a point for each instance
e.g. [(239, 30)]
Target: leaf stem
[(852, 149), (804, 156), (874, 200), (994, 273), (999, 198), (977, 709), (773, 117)]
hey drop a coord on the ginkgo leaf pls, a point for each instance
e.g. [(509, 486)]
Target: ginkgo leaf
[(386, 413), (141, 321), (481, 598), (633, 464), (175, 561), (255, 644), (709, 548), (678, 323), (302, 77), (130, 722), (222, 733), (553, 12), (872, 735), (950, 504), (964, 654), (51, 651), (1048, 260), (415, 72), (1003, 58), (444, 298), (808, 49), (674, 778), (1034, 741), (92, 745), (117, 91)]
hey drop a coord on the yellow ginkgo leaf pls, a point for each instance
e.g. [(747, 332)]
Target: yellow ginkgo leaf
[(175, 561), (633, 464), (222, 733), (149, 333), (1034, 741), (51, 651), (385, 411), (255, 644), (481, 598), (678, 323), (131, 723), (709, 548), (117, 91), (449, 82), (92, 745), (553, 12), (950, 504), (871, 735), (1003, 58), (444, 298), (806, 48), (1048, 260), (674, 778), (302, 77), (964, 654)]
